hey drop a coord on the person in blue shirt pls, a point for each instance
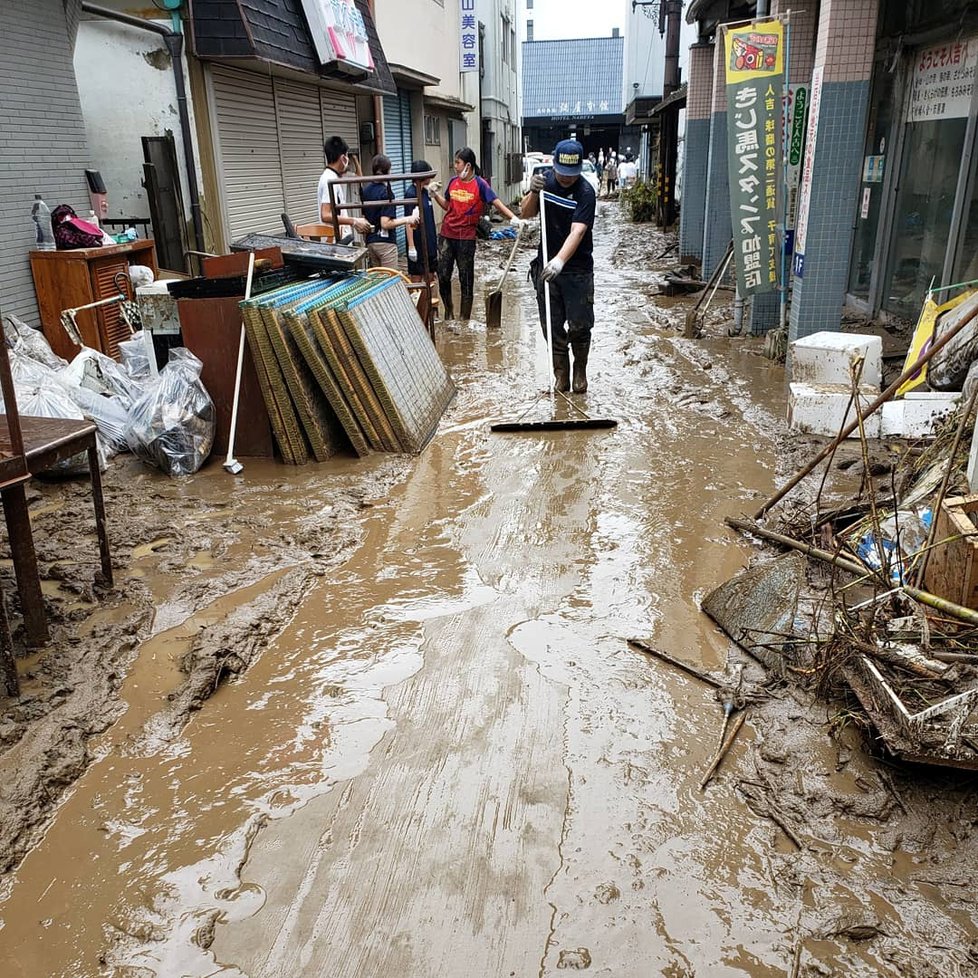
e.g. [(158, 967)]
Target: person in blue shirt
[(568, 267), (381, 240), (414, 239)]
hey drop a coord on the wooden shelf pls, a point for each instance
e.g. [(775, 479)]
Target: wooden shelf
[(69, 279)]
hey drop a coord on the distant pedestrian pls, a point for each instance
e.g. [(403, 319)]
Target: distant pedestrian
[(338, 160), (628, 173), (381, 240), (466, 197), (414, 239), (612, 171), (567, 268)]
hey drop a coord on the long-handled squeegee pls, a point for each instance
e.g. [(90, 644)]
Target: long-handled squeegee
[(585, 420)]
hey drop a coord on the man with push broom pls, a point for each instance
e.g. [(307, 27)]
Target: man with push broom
[(567, 268)]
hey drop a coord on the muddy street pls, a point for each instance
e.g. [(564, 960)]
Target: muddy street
[(430, 749)]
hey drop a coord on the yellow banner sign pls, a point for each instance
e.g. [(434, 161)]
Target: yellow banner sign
[(754, 51)]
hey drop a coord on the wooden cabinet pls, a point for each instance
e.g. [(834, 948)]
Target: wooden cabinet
[(68, 279)]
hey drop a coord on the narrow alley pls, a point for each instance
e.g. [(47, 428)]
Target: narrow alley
[(444, 757)]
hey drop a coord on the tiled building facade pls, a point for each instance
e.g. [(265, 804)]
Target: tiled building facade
[(888, 198)]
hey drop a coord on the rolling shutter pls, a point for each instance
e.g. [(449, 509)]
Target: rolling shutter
[(269, 141), (397, 145), (339, 118), (248, 151), (301, 133)]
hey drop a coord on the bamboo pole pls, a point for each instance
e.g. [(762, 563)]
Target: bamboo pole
[(924, 597), (679, 664), (722, 752), (921, 361)]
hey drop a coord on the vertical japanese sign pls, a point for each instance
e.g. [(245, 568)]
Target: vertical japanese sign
[(808, 165), (468, 56), (755, 75)]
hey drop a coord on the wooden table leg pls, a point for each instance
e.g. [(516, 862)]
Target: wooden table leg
[(100, 527), (8, 666), (25, 564)]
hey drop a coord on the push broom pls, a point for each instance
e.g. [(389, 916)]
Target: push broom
[(585, 421)]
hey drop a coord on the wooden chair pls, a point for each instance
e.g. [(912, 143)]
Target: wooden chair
[(315, 231)]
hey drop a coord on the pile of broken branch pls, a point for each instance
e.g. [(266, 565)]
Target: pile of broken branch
[(892, 620)]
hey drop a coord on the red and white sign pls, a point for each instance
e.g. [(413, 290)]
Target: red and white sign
[(338, 32), (943, 77)]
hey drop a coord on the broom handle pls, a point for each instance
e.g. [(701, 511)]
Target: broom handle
[(512, 257), (237, 374), (546, 290)]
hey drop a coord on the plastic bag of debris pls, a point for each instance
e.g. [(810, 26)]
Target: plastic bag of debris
[(172, 425), (102, 375), (26, 341), (55, 402), (135, 359), (110, 415), (901, 538)]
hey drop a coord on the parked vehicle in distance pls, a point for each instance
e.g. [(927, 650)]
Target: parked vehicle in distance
[(588, 173), (530, 162)]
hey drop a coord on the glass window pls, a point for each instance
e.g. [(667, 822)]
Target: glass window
[(966, 263), (928, 180)]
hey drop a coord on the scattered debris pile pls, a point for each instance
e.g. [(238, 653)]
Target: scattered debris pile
[(883, 612)]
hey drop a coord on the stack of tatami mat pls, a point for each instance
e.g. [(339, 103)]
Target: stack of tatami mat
[(346, 362)]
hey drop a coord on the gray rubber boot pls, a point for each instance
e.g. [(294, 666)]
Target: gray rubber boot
[(581, 351)]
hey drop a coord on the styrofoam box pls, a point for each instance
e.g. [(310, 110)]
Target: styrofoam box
[(819, 409), (891, 414), (825, 358), (922, 410)]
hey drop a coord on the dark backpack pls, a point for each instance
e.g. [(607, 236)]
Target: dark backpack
[(72, 232)]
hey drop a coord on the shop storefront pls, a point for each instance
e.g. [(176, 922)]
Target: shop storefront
[(916, 226)]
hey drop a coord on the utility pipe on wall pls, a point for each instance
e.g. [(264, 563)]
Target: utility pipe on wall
[(174, 45)]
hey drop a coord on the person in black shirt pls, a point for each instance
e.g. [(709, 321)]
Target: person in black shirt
[(381, 240), (415, 258), (568, 267)]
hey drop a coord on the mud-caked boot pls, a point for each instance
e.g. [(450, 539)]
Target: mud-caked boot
[(562, 372), (466, 309), (580, 366)]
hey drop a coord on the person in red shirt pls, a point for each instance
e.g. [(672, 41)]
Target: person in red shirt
[(466, 197)]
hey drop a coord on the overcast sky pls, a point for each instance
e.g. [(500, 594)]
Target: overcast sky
[(555, 20)]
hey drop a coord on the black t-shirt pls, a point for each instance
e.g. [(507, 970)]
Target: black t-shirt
[(379, 192), (573, 205)]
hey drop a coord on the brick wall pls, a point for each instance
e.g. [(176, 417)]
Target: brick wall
[(43, 147)]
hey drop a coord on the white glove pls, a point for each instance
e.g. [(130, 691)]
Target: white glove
[(412, 254), (516, 222), (434, 186), (552, 269), (414, 219)]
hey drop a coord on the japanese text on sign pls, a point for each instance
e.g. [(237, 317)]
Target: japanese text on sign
[(943, 77), (468, 55), (754, 73), (338, 32)]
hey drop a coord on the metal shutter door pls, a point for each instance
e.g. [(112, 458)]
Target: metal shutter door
[(339, 118), (397, 145), (301, 128), (248, 150)]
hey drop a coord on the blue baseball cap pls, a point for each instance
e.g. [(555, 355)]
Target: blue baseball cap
[(568, 157)]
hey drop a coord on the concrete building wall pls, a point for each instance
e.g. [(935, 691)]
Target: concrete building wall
[(500, 88), (127, 91), (424, 35), (43, 147), (843, 65)]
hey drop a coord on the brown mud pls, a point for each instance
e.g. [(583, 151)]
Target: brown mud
[(417, 740)]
